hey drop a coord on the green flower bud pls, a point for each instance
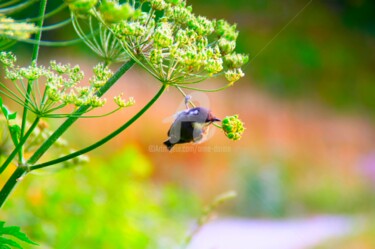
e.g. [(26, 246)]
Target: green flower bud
[(233, 75), (226, 46), (122, 102), (156, 56), (182, 37), (102, 72), (60, 68), (69, 98), (53, 94), (235, 60), (8, 59), (224, 29), (12, 74), (16, 30), (214, 66), (31, 73), (82, 6), (163, 35), (158, 4), (179, 14), (95, 101), (113, 12), (125, 29), (233, 127)]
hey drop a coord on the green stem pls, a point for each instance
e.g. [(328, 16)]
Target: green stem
[(105, 139), (34, 58), (15, 8), (11, 183), (51, 43), (49, 14), (19, 145), (52, 139), (56, 25)]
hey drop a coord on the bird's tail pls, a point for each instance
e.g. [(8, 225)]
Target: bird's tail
[(168, 144)]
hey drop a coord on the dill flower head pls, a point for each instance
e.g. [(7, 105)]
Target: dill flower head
[(15, 30), (176, 46), (233, 127)]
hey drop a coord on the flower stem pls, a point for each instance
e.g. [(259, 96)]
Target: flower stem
[(34, 58), (105, 139), (52, 139)]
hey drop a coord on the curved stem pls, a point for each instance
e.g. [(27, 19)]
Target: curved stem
[(56, 25), (49, 14), (34, 59), (52, 139), (51, 43), (202, 90), (16, 8), (105, 139), (3, 5)]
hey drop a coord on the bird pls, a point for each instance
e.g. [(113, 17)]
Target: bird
[(190, 125)]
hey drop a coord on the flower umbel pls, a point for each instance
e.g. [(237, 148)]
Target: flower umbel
[(54, 87), (172, 43), (233, 127)]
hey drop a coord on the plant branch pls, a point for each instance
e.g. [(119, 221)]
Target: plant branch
[(105, 139), (34, 58), (52, 139)]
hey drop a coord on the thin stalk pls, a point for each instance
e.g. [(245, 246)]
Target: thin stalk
[(3, 5), (52, 139), (56, 25), (49, 14), (105, 139), (15, 8), (52, 43), (19, 145), (34, 58)]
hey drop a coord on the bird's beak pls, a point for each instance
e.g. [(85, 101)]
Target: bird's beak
[(215, 120)]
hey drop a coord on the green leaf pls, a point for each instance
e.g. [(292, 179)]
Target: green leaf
[(15, 232), (15, 133), (6, 112), (4, 241), (12, 116), (5, 247)]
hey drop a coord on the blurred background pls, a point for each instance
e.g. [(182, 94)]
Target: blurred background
[(305, 165)]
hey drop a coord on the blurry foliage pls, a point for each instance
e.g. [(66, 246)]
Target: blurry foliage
[(106, 204), (282, 188)]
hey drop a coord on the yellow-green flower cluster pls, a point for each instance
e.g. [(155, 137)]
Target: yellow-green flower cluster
[(113, 12), (233, 127), (15, 30), (122, 102), (7, 59), (175, 45), (61, 83), (101, 75)]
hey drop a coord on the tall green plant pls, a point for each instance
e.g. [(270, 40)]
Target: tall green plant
[(165, 37)]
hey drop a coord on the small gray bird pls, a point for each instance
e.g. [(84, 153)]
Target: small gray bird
[(190, 126)]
